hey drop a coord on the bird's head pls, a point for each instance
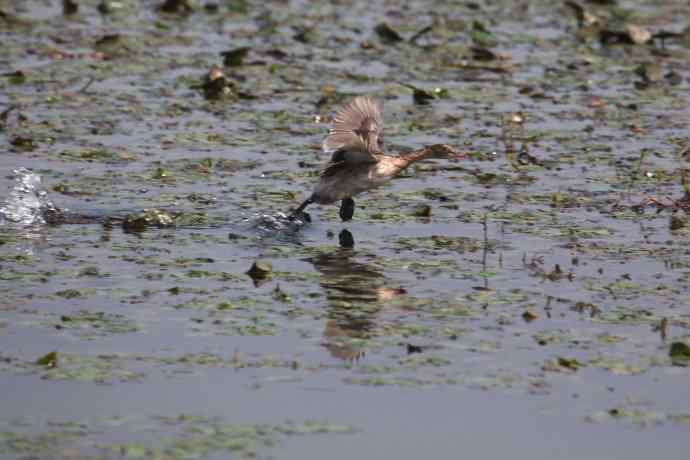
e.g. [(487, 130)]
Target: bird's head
[(444, 151)]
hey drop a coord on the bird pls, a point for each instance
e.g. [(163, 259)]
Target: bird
[(358, 163)]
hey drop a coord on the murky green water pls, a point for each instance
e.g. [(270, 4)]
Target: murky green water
[(532, 313)]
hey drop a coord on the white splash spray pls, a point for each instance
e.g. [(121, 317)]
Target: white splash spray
[(27, 202)]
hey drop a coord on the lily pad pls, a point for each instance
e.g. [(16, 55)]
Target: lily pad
[(680, 354)]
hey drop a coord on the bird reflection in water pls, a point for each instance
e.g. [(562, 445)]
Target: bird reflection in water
[(356, 292)]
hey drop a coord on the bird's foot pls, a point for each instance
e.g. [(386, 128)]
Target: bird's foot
[(299, 212), (347, 209)]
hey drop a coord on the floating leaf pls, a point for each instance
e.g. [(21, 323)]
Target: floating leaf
[(677, 222), (177, 6), (17, 77), (234, 57), (112, 45), (387, 34), (481, 53), (679, 354), (638, 34), (69, 7), (50, 360), (217, 86), (237, 6), (529, 315), (24, 144), (140, 221), (68, 294), (259, 270), (481, 36), (569, 363), (423, 97), (650, 73), (422, 210)]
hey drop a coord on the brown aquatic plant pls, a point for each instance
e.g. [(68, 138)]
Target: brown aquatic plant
[(358, 163), (176, 6), (69, 7)]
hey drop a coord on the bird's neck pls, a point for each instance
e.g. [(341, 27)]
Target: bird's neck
[(389, 166), (407, 158)]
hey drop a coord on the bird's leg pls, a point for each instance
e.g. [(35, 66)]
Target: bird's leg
[(347, 209), (301, 207)]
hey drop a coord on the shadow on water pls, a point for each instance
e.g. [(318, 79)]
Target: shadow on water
[(356, 292)]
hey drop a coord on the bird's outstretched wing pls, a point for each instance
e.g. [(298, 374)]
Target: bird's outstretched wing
[(355, 132)]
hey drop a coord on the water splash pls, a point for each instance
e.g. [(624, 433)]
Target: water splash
[(27, 203), (279, 223)]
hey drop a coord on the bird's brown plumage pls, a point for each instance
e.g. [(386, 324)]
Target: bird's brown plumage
[(357, 163), (356, 131)]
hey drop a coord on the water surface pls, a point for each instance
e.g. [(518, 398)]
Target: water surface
[(532, 311)]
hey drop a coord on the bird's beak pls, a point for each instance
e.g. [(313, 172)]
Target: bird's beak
[(454, 155)]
